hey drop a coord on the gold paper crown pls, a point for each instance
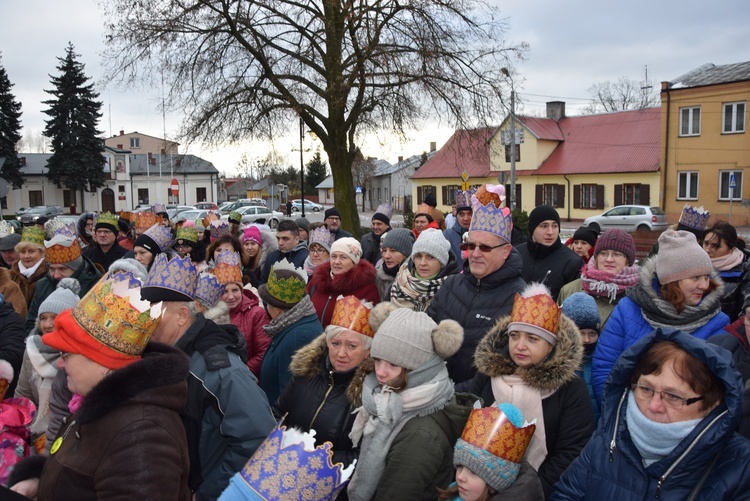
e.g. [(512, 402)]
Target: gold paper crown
[(286, 282), (61, 249), (107, 218), (145, 220), (490, 429), (210, 217), (127, 216), (187, 233), (352, 314), (227, 267), (115, 316), (424, 209), (535, 312), (32, 235)]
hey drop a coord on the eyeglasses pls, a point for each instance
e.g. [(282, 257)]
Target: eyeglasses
[(64, 356), (646, 393), (470, 246), (315, 250), (612, 255), (333, 218), (104, 232)]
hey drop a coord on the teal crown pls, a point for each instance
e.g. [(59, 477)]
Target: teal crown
[(492, 220), (208, 290), (695, 217), (173, 280), (162, 235), (463, 198)]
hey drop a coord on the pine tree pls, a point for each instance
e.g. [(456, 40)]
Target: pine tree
[(10, 131), (74, 114), (316, 170)]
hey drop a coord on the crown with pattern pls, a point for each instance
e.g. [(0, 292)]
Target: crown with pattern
[(159, 209), (111, 325), (108, 221), (170, 280), (58, 226), (32, 235), (161, 235), (385, 209), (61, 249), (536, 312), (463, 198), (323, 237), (211, 216), (219, 228), (694, 217), (286, 285), (489, 194), (493, 444), (145, 220), (6, 229), (227, 267), (493, 220), (187, 234), (287, 465), (424, 209), (127, 216), (124, 276), (208, 290), (353, 314), (235, 217)]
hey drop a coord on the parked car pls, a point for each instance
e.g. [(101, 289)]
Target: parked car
[(243, 202), (629, 218), (253, 213), (20, 212), (309, 205), (175, 210), (193, 214), (142, 208), (260, 201), (206, 205), (48, 211)]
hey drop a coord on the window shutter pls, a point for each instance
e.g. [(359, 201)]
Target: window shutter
[(618, 194), (518, 196), (446, 200), (599, 196), (561, 195), (539, 195), (576, 196), (645, 194), (419, 195)]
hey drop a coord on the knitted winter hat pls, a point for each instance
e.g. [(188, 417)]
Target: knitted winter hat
[(616, 240), (333, 211), (409, 338), (586, 234), (680, 256), (431, 200), (10, 241), (349, 246), (64, 297), (536, 312), (581, 308), (399, 239), (252, 233), (432, 242), (303, 224), (540, 214)]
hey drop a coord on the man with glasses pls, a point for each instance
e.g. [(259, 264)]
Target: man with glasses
[(333, 221), (105, 249), (485, 290), (545, 258)]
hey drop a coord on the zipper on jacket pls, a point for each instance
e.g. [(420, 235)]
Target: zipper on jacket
[(325, 397), (612, 443), (325, 307)]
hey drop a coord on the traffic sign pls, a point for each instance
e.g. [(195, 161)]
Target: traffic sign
[(732, 180), (175, 187), (358, 190), (465, 176)]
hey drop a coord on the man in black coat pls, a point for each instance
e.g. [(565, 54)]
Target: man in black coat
[(333, 221), (105, 250)]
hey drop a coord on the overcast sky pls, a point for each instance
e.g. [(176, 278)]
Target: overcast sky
[(573, 45)]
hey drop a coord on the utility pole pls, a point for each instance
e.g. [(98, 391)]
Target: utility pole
[(513, 140), (301, 164)]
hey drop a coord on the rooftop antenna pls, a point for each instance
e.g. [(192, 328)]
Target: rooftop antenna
[(645, 87)]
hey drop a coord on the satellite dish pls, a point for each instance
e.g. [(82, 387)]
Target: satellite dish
[(4, 187)]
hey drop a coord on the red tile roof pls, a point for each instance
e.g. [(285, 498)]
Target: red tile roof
[(542, 128), (466, 149)]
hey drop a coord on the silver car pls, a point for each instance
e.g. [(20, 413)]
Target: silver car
[(252, 214), (629, 218)]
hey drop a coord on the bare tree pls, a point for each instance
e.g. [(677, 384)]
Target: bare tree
[(252, 69), (625, 94), (33, 141)]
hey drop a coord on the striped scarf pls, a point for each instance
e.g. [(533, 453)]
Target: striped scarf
[(411, 291), (596, 282)]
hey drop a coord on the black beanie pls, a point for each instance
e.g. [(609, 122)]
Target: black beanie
[(542, 213), (586, 234), (333, 211), (379, 216), (430, 200)]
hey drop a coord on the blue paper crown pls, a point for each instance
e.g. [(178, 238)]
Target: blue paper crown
[(218, 229), (124, 275), (493, 220), (177, 276), (463, 198), (162, 235), (57, 226), (208, 290), (695, 217), (385, 209)]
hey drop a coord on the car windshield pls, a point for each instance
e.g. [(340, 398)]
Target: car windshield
[(191, 215), (36, 210), (657, 211)]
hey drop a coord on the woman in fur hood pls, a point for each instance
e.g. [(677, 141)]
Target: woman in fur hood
[(530, 359)]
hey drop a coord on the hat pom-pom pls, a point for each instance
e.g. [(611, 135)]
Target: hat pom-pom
[(447, 338), (379, 313), (71, 284), (6, 371), (535, 289)]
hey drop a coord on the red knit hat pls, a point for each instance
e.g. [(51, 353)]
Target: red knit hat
[(616, 240)]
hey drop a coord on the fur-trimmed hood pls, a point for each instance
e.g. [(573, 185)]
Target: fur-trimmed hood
[(310, 361), (219, 313), (358, 277), (492, 357), (160, 366)]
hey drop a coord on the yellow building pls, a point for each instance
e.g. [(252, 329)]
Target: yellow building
[(705, 144)]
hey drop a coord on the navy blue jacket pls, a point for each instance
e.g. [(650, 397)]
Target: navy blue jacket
[(610, 466), (455, 235)]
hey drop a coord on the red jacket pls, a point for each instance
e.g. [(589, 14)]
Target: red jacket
[(324, 289), (250, 317)]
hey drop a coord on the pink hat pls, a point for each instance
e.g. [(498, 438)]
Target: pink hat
[(252, 233)]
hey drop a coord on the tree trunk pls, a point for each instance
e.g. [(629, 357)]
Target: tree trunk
[(343, 185)]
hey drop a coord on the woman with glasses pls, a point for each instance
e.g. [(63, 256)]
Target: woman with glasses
[(608, 274), (31, 267), (731, 261), (395, 247), (318, 247), (671, 408), (677, 289)]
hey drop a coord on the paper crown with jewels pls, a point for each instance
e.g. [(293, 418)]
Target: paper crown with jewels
[(111, 325), (491, 219), (58, 226), (159, 209), (385, 209), (62, 248), (353, 314), (161, 235), (694, 217), (493, 444), (6, 229), (208, 289), (287, 465), (170, 280), (32, 235), (218, 228), (322, 237), (108, 221), (227, 267), (186, 235), (145, 220), (127, 216), (463, 198), (534, 311), (424, 209), (235, 217)]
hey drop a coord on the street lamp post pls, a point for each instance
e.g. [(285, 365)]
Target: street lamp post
[(301, 164), (512, 194)]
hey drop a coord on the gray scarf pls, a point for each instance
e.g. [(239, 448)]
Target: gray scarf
[(299, 311), (384, 413)]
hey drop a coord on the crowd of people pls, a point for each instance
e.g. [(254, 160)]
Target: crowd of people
[(458, 359)]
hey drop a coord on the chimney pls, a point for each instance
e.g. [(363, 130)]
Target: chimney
[(556, 110), (122, 132), (400, 158), (433, 146)]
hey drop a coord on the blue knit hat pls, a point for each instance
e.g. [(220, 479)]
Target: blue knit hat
[(581, 309)]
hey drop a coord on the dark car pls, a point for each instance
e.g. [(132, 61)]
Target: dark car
[(48, 211)]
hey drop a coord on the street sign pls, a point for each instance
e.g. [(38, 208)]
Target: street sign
[(464, 176), (175, 187), (358, 190), (732, 180)]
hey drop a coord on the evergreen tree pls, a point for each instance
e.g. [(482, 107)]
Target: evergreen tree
[(10, 131), (316, 170), (74, 114)]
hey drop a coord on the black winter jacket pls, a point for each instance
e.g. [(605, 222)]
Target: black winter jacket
[(553, 265), (476, 305), (12, 341), (735, 340)]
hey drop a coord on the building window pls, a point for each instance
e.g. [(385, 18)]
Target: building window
[(687, 185), (135, 142), (690, 121), (200, 194), (379, 199), (121, 189), (725, 179), (35, 198), (632, 194), (592, 196), (423, 191), (69, 198), (143, 196), (734, 118), (449, 194), (550, 194), (507, 152), (4, 202)]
